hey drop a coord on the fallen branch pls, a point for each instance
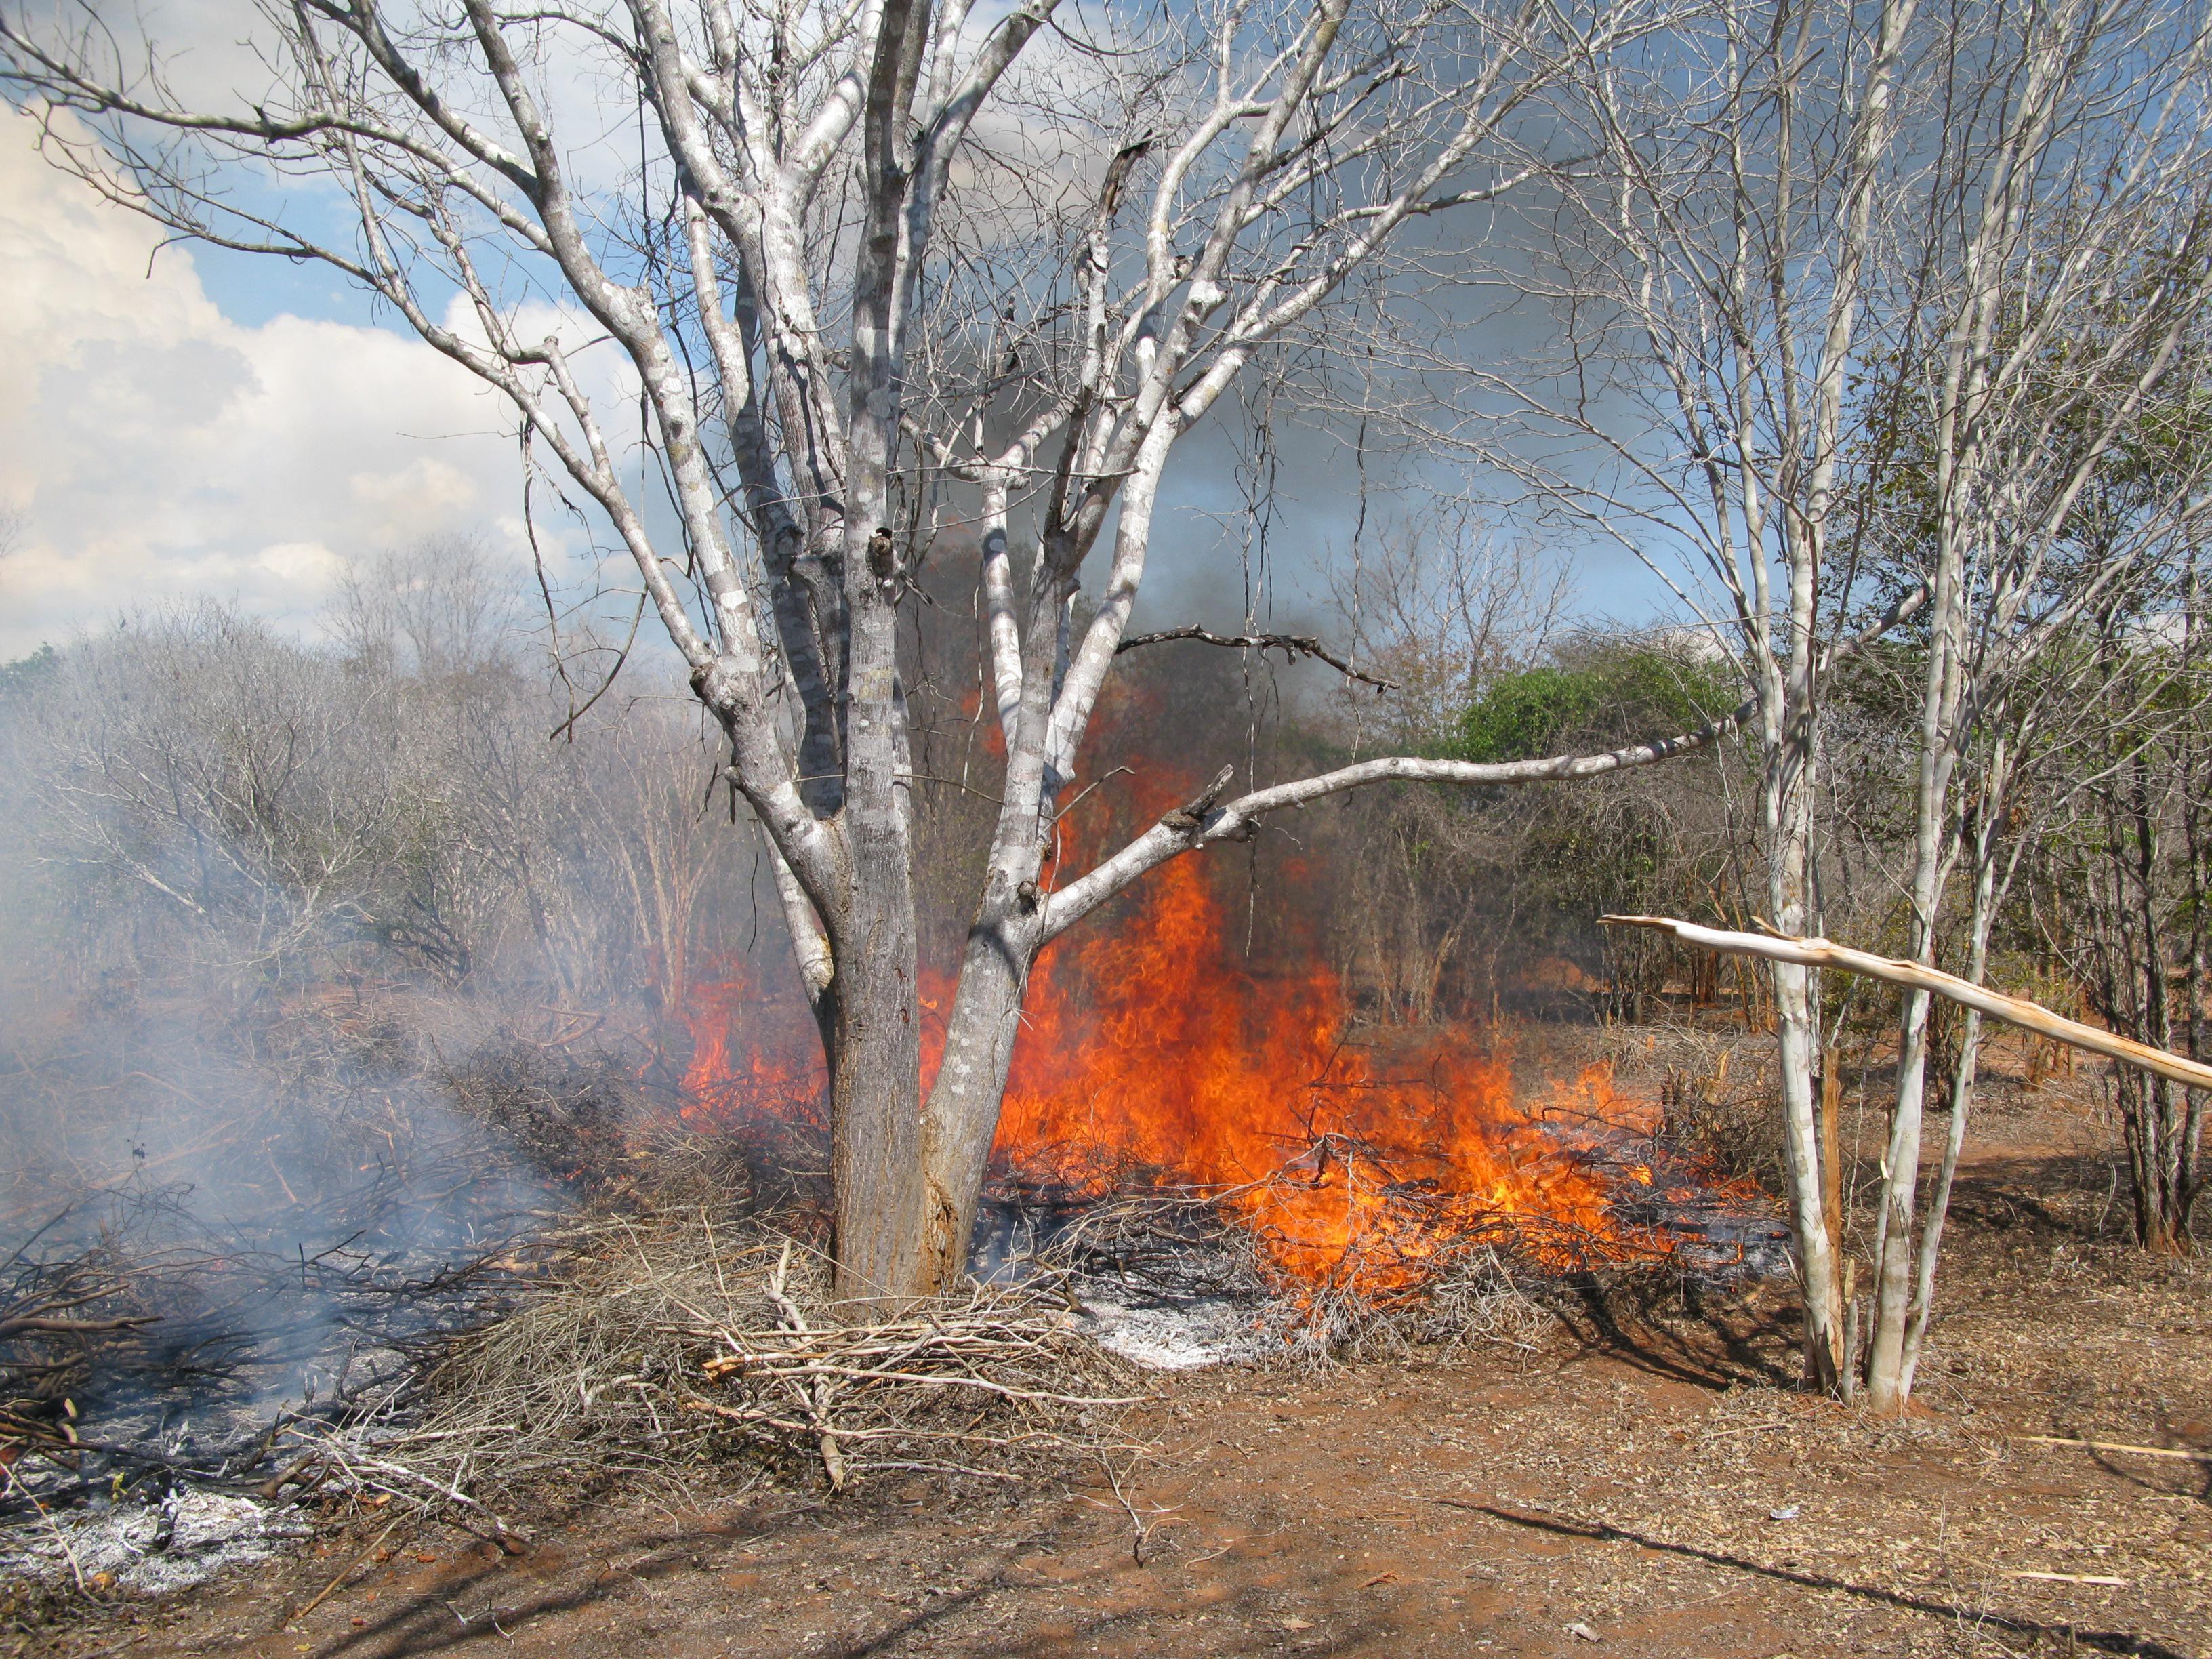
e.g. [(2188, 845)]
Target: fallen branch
[(814, 1399), (345, 1573), (2119, 1446), (2070, 1577), (2014, 1011)]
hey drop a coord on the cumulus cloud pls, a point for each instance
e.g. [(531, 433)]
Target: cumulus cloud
[(153, 448)]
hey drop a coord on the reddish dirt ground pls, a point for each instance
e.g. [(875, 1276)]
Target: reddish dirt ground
[(1644, 1484)]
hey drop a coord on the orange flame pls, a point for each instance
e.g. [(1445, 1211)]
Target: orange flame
[(1152, 1048), (1151, 1051), (776, 1075)]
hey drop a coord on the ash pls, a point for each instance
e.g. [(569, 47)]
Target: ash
[(1167, 1335), (151, 1549), (173, 1352), (1156, 1282)]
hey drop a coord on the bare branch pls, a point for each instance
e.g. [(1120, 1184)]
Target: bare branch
[(1293, 646)]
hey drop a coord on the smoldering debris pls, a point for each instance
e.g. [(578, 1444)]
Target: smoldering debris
[(145, 1350), (648, 1338), (1171, 1279), (224, 1254)]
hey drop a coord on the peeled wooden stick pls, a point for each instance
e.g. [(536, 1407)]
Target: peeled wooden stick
[(2070, 1577), (2119, 1446), (2014, 1011)]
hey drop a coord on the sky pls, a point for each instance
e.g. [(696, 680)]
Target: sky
[(186, 423), (156, 444)]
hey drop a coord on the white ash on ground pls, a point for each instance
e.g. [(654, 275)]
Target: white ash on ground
[(1179, 1336), (150, 1549)]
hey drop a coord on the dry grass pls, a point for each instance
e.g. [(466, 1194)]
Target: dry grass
[(664, 1344)]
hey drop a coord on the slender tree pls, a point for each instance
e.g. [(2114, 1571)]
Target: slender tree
[(2063, 269), (1713, 275)]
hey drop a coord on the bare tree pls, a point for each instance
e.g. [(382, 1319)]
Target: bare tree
[(256, 792), (1713, 275), (870, 255), (1440, 605), (1805, 227), (2064, 271), (2122, 873)]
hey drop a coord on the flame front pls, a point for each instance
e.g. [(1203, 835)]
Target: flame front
[(1151, 1053)]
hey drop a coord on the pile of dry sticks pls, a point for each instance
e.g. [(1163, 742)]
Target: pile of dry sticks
[(662, 1345)]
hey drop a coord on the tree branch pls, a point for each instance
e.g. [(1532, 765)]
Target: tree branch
[(1993, 1005), (1202, 824), (1290, 645)]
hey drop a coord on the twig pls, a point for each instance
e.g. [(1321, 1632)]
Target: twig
[(2070, 1577), (1290, 645), (815, 1400), (76, 1571), (345, 1573), (1139, 1528)]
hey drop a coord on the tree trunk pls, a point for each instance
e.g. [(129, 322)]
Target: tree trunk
[(962, 1118), (875, 1080), (1789, 811), (1996, 789)]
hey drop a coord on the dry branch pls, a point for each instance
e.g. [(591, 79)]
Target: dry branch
[(1993, 1004), (1293, 646), (664, 1342), (2119, 1446)]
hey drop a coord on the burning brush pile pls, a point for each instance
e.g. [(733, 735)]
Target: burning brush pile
[(424, 1262), (1222, 1163)]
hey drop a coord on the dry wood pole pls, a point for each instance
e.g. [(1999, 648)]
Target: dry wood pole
[(1993, 1005)]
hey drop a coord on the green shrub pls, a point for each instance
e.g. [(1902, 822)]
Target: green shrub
[(1615, 694)]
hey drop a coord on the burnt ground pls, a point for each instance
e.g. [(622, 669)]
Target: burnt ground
[(1644, 1483)]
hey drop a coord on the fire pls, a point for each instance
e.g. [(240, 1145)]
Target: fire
[(1152, 1051), (776, 1076)]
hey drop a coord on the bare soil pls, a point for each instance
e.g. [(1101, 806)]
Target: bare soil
[(1645, 1483)]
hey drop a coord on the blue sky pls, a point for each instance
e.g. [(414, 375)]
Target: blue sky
[(198, 423)]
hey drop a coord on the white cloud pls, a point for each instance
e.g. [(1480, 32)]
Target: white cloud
[(156, 449)]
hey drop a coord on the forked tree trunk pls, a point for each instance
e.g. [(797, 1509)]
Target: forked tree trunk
[(2161, 1133), (1989, 819)]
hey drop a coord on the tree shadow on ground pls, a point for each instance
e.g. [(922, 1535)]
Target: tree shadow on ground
[(490, 1604), (1711, 1337), (2120, 1642)]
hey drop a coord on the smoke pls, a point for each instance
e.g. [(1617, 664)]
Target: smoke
[(330, 982), (326, 983)]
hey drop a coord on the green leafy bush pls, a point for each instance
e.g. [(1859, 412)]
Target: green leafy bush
[(1615, 693)]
